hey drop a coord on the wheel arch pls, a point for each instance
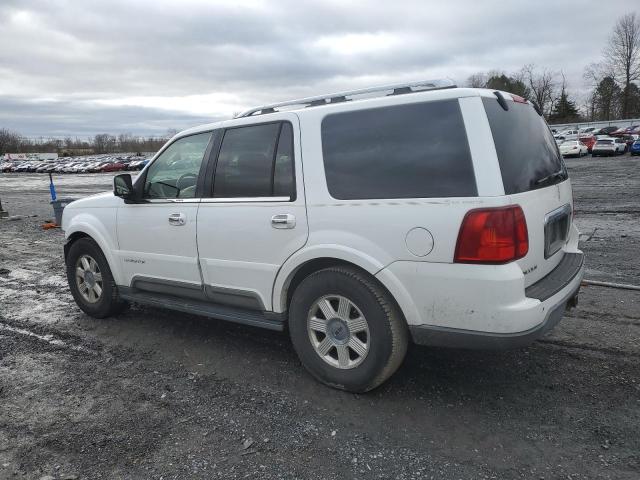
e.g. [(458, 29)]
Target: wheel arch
[(295, 272), (78, 230)]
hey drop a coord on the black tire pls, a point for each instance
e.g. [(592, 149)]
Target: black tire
[(108, 302), (387, 336)]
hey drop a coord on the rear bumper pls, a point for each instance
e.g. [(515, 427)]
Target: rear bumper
[(563, 281), (492, 311)]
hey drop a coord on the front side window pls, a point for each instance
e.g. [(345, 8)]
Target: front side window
[(174, 174), (255, 161), (402, 151)]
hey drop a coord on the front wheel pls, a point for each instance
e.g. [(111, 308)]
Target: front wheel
[(346, 329), (90, 280)]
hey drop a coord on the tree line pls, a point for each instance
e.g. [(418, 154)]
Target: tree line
[(613, 82), (13, 142)]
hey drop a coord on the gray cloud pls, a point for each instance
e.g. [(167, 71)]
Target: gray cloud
[(76, 118), (86, 54)]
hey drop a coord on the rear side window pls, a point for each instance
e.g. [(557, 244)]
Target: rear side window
[(255, 161), (402, 151), (527, 151)]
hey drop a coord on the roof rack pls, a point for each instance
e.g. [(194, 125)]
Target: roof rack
[(395, 89)]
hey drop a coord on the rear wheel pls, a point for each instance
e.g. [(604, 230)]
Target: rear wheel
[(90, 280), (346, 330)]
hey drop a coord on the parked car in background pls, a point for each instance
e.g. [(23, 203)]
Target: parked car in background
[(608, 147), (621, 143), (573, 148), (112, 167), (629, 138), (606, 130), (620, 131), (570, 134), (588, 140), (635, 148)]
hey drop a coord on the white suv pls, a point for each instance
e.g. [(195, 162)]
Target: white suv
[(358, 221)]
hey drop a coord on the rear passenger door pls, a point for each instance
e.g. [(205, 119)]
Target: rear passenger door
[(253, 217)]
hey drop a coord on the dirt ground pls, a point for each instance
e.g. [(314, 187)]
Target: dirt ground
[(162, 395)]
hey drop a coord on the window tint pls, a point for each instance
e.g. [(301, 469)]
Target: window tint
[(254, 163), (174, 174), (526, 149), (403, 151)]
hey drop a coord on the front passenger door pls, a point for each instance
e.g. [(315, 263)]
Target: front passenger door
[(254, 217), (157, 237)]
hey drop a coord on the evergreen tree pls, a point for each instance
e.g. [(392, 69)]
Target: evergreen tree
[(565, 110), (508, 84), (607, 99)]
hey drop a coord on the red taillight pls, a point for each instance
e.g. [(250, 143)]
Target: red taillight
[(518, 98), (492, 235)]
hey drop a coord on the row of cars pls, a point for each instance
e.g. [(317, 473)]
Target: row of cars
[(605, 141), (93, 164), (604, 146), (610, 131)]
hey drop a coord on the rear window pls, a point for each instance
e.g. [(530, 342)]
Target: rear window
[(604, 142), (401, 151), (527, 151)]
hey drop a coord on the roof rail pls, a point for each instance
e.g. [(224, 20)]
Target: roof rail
[(395, 89)]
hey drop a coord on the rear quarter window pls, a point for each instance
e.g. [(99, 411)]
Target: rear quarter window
[(527, 151), (402, 151)]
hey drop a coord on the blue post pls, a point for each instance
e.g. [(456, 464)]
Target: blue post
[(52, 189)]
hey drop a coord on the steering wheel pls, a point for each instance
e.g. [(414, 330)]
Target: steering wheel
[(183, 177)]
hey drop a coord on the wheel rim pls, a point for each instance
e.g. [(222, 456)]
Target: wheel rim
[(338, 331), (89, 279)]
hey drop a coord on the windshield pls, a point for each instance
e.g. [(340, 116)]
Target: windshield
[(527, 151), (571, 143)]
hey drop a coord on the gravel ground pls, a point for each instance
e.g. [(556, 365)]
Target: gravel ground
[(155, 394)]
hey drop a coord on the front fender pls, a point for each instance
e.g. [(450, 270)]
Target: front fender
[(89, 224)]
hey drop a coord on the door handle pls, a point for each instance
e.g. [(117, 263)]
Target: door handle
[(177, 219), (283, 220)]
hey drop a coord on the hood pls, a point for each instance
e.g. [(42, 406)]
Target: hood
[(99, 200)]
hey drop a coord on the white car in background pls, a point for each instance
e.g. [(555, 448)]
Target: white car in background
[(573, 148), (608, 146), (571, 134)]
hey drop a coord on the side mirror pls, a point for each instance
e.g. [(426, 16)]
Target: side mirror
[(123, 187)]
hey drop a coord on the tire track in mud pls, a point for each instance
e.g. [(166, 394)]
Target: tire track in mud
[(50, 336), (54, 340), (619, 319), (563, 344)]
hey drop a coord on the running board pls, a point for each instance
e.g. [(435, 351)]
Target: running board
[(268, 320)]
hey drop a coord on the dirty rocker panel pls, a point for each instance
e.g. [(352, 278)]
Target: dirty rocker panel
[(224, 304)]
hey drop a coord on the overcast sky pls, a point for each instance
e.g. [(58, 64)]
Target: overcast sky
[(83, 67)]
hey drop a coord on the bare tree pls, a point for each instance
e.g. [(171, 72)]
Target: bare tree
[(10, 142), (477, 80), (623, 56), (543, 86)]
